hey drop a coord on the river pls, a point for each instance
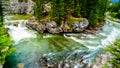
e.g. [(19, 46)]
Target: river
[(32, 47)]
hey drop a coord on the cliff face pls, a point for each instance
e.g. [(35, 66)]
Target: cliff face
[(17, 7)]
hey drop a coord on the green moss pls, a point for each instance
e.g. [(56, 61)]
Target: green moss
[(19, 17), (105, 66), (71, 20)]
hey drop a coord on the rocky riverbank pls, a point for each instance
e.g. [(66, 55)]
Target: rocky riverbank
[(52, 27), (102, 60)]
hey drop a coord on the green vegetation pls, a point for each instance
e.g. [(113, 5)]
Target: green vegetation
[(19, 17), (115, 51), (95, 11), (61, 9), (38, 9), (5, 41), (1, 13), (23, 0), (115, 10)]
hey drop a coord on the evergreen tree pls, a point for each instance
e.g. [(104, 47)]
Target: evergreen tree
[(1, 13), (38, 9), (93, 10)]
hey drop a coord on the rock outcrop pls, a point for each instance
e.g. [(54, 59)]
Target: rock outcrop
[(65, 28), (102, 60), (16, 7), (80, 26), (42, 26), (20, 65), (52, 27)]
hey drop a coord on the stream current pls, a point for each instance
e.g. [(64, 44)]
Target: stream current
[(33, 48)]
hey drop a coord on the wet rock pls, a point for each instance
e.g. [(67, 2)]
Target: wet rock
[(20, 65), (103, 59), (89, 31), (52, 64), (65, 28), (95, 66), (43, 62), (118, 20), (16, 24), (34, 24), (52, 27), (67, 64), (80, 26)]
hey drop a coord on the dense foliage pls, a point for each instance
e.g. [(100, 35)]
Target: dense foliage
[(115, 51), (23, 0), (93, 10), (96, 11), (115, 10), (1, 13), (38, 9), (5, 41)]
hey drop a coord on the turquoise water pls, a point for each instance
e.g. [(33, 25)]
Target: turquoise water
[(30, 46)]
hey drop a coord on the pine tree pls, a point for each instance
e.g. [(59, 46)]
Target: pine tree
[(93, 10), (38, 9), (1, 13)]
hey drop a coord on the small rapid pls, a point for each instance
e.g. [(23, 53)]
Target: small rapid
[(19, 32), (68, 50)]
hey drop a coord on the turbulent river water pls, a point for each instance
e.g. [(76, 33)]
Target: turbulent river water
[(31, 46)]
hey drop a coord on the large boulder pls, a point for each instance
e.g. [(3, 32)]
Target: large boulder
[(38, 26), (20, 65), (80, 26), (52, 27), (21, 7)]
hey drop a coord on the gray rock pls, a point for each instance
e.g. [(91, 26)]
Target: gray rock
[(118, 20), (52, 27), (84, 24), (21, 7), (20, 65), (80, 26)]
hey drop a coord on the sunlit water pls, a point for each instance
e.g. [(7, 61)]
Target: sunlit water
[(30, 45)]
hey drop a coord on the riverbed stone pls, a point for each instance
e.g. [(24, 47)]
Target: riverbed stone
[(95, 66), (80, 26), (103, 59), (1, 66), (20, 65)]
